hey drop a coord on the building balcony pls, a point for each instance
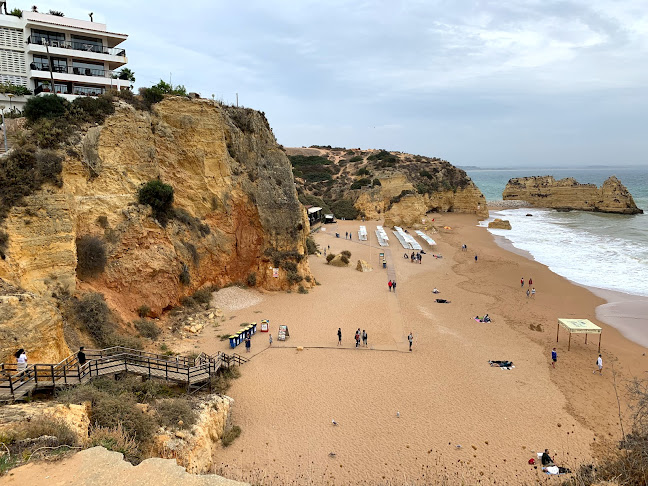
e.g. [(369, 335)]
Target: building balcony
[(81, 46), (71, 74), (113, 55), (34, 66)]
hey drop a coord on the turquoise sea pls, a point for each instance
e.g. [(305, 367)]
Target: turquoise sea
[(607, 251)]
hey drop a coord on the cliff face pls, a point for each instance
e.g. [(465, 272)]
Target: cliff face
[(236, 211), (612, 197), (30, 322), (400, 187)]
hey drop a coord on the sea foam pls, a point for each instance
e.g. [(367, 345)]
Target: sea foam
[(598, 250)]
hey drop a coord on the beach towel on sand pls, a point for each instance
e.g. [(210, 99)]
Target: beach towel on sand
[(506, 365)]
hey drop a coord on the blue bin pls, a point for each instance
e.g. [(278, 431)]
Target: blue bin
[(384, 264), (233, 341), (254, 328)]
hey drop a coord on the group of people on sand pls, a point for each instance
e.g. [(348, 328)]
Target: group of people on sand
[(416, 258), (348, 235), (392, 285), (531, 290), (358, 336)]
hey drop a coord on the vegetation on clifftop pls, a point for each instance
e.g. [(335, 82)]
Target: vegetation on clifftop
[(334, 178)]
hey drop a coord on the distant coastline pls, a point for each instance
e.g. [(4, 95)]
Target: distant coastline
[(544, 169)]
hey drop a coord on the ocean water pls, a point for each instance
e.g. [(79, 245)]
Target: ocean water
[(607, 251)]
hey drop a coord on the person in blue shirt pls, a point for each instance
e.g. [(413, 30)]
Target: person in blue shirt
[(554, 357)]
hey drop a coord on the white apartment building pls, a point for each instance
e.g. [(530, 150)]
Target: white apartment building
[(81, 56)]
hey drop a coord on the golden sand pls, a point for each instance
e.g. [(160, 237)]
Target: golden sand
[(402, 416)]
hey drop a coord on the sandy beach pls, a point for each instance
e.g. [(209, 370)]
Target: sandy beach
[(440, 411)]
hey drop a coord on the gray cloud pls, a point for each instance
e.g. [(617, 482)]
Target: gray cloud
[(479, 83)]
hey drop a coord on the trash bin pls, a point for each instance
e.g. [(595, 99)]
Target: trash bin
[(233, 341), (384, 264), (254, 328)]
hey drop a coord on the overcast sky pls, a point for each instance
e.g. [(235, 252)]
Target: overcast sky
[(485, 83)]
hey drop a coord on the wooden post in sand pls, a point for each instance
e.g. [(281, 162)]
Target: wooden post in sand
[(600, 335), (569, 343), (557, 331)]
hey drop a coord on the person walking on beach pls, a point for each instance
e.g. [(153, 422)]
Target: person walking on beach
[(394, 285), (364, 338), (390, 285), (270, 339), (346, 235), (475, 258), (533, 292), (357, 338), (599, 365), (339, 336), (248, 343), (528, 293), (522, 282), (410, 338), (530, 282), (554, 357)]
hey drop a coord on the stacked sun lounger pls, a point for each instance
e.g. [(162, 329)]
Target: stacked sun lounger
[(383, 239), (407, 240), (429, 240), (362, 233)]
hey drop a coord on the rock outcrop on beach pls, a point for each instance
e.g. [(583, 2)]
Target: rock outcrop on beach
[(363, 266), (195, 449), (500, 224), (567, 194), (235, 215), (376, 184)]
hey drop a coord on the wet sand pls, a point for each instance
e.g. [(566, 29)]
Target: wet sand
[(444, 391)]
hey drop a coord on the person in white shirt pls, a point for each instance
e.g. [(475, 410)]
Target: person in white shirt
[(599, 364), (21, 360)]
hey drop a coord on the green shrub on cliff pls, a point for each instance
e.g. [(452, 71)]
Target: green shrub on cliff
[(49, 106), (91, 256), (147, 328), (344, 208), (93, 313), (175, 413), (159, 196)]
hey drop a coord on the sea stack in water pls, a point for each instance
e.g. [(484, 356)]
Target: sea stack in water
[(567, 194)]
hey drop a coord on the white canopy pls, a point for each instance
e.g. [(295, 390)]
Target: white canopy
[(579, 326)]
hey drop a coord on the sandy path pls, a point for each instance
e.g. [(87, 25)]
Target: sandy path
[(445, 391)]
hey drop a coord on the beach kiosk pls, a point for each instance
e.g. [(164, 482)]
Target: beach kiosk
[(579, 326)]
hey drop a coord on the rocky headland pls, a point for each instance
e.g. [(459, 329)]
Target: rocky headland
[(568, 194), (402, 188)]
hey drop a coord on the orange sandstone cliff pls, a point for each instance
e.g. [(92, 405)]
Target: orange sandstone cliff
[(236, 214)]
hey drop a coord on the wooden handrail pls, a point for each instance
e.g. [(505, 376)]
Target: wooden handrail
[(105, 361)]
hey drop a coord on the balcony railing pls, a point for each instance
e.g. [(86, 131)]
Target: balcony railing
[(80, 46), (79, 71), (77, 90)]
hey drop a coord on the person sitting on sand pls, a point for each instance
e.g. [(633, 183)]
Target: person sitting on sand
[(435, 291), (405, 256), (546, 459), (486, 318)]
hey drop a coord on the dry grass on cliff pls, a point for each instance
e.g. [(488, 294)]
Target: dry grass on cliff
[(42, 436)]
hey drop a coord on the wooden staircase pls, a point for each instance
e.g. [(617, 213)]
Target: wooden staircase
[(193, 373)]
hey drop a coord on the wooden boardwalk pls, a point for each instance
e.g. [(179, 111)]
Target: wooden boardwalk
[(102, 362)]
